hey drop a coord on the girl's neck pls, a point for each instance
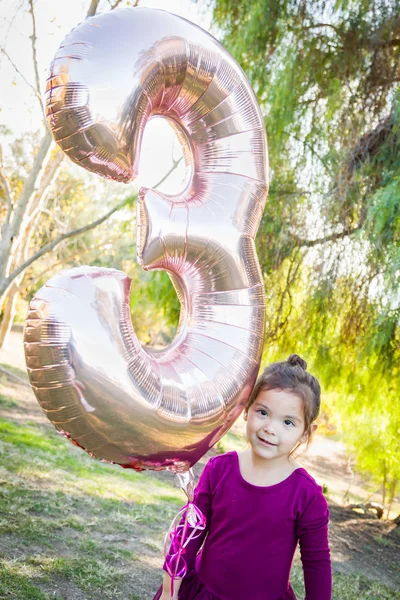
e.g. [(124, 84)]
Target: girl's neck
[(261, 471)]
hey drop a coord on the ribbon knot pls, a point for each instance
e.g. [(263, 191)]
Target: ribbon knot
[(187, 525)]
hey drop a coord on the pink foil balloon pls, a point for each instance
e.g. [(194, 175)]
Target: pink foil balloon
[(121, 402)]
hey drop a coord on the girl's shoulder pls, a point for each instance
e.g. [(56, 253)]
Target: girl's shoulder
[(306, 479), (308, 491), (220, 466), (221, 461)]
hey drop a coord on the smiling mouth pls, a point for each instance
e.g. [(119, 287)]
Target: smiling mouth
[(266, 443)]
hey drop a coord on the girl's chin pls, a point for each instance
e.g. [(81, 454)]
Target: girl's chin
[(263, 450)]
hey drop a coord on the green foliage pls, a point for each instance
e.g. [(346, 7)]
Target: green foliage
[(326, 75), (155, 306), (353, 349)]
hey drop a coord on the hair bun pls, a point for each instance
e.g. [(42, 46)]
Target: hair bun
[(295, 360)]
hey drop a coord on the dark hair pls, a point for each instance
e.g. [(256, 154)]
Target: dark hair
[(291, 375)]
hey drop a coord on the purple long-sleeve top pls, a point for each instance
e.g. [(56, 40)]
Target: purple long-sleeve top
[(252, 533)]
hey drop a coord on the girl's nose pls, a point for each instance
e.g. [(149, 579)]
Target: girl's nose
[(269, 427)]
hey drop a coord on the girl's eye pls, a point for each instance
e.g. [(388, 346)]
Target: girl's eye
[(262, 412), (289, 422)]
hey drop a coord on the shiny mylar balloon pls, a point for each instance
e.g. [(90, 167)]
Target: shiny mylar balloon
[(120, 401)]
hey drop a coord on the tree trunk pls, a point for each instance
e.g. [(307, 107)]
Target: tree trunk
[(18, 220), (14, 224), (384, 483), (9, 309), (392, 495)]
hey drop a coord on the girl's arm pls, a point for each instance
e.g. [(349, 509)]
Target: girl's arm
[(202, 499), (166, 591), (312, 531)]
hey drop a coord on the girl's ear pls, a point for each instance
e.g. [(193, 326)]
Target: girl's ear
[(306, 436)]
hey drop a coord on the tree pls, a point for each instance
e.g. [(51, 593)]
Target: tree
[(24, 190), (327, 77)]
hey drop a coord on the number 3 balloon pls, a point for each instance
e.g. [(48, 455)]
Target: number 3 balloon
[(120, 401)]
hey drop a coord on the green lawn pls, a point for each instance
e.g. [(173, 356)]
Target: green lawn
[(74, 528)]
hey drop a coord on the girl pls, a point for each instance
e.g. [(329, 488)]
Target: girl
[(259, 502)]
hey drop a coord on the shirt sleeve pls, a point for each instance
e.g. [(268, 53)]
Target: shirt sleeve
[(202, 499), (312, 531)]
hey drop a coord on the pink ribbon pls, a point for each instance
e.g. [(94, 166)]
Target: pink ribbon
[(190, 518)]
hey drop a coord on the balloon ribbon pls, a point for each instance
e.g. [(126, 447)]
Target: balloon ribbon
[(187, 525)]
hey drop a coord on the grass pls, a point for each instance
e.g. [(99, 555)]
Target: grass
[(383, 541), (72, 527), (15, 583), (16, 370), (347, 587), (7, 403)]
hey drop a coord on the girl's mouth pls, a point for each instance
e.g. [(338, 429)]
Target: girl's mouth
[(266, 443)]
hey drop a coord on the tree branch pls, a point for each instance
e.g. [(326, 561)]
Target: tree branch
[(33, 39), (370, 143), (320, 25), (36, 209), (92, 8), (33, 280), (290, 193), (175, 163), (390, 44), (3, 51), (49, 175), (6, 187), (49, 247), (115, 4), (12, 226), (313, 152), (33, 181), (333, 237), (52, 245)]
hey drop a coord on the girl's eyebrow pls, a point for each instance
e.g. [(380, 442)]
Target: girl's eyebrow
[(261, 405)]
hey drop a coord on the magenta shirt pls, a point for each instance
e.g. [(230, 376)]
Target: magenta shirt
[(253, 533)]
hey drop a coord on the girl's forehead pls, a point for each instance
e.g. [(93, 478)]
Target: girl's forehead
[(283, 401)]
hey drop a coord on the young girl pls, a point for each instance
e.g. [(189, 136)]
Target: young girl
[(259, 502)]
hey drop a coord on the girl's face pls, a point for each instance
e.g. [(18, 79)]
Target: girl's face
[(275, 424)]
